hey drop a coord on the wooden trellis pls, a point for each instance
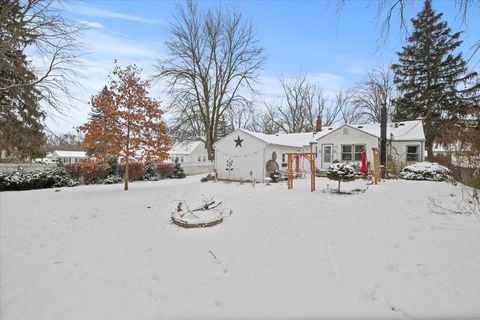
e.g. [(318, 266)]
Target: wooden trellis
[(297, 155)]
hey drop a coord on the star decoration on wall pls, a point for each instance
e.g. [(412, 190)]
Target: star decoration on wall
[(238, 142)]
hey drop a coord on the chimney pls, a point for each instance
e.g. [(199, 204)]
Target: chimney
[(318, 126)]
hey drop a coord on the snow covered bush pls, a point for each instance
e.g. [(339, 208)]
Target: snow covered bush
[(208, 177), (150, 172), (430, 171), (164, 170), (340, 172), (22, 180), (178, 172), (112, 166), (112, 179)]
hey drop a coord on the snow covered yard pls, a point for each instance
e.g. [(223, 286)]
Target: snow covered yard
[(97, 252)]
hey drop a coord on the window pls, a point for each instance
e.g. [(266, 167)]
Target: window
[(284, 158), (352, 152), (176, 159), (199, 158), (413, 153), (346, 152), (181, 159), (358, 152), (204, 158)]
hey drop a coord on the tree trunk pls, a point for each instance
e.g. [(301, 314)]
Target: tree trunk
[(338, 190), (209, 146), (125, 176)]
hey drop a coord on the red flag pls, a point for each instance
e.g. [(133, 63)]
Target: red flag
[(363, 167)]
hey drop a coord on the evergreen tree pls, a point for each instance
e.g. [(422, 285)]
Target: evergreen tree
[(178, 172), (21, 120), (432, 78)]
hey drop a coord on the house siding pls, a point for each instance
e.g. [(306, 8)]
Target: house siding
[(346, 136), (249, 157)]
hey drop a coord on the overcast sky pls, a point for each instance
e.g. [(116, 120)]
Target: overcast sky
[(335, 49)]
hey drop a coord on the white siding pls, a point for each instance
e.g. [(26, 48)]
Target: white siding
[(398, 150), (346, 136), (248, 157)]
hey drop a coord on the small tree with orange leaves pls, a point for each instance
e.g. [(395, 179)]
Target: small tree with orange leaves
[(125, 122)]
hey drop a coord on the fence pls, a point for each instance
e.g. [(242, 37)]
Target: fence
[(9, 167), (197, 168)]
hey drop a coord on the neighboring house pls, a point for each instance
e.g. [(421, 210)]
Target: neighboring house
[(68, 157), (242, 152), (188, 152)]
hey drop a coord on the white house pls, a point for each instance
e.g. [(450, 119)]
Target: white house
[(188, 152), (244, 154), (405, 142), (68, 157)]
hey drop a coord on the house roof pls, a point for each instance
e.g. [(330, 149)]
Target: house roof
[(70, 154), (184, 147), (283, 139), (400, 131)]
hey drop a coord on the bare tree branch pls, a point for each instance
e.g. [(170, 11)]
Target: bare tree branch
[(213, 61)]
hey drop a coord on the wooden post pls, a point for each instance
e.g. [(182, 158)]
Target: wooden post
[(376, 165), (312, 172), (290, 173)]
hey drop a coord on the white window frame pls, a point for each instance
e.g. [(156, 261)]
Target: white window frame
[(352, 152), (417, 154)]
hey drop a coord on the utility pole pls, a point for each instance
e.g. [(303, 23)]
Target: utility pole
[(383, 139)]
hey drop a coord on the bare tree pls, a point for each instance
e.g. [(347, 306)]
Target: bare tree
[(241, 117), (348, 113), (302, 104), (37, 27), (369, 95), (214, 58)]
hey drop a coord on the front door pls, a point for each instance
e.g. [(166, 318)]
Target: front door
[(327, 155)]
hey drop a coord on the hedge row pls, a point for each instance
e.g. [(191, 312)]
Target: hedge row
[(90, 172), (23, 180)]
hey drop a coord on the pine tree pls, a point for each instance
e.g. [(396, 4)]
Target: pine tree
[(178, 172), (432, 77), (21, 119)]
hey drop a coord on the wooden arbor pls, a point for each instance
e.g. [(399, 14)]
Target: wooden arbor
[(297, 155)]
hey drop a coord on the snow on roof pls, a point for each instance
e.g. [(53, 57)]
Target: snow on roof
[(70, 154), (184, 147), (284, 139), (405, 130)]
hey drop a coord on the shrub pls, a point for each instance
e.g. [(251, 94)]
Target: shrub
[(164, 170), (112, 166), (73, 171), (430, 171), (91, 171), (440, 159), (150, 172), (178, 172), (21, 180), (208, 177), (135, 171), (112, 179), (340, 172)]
